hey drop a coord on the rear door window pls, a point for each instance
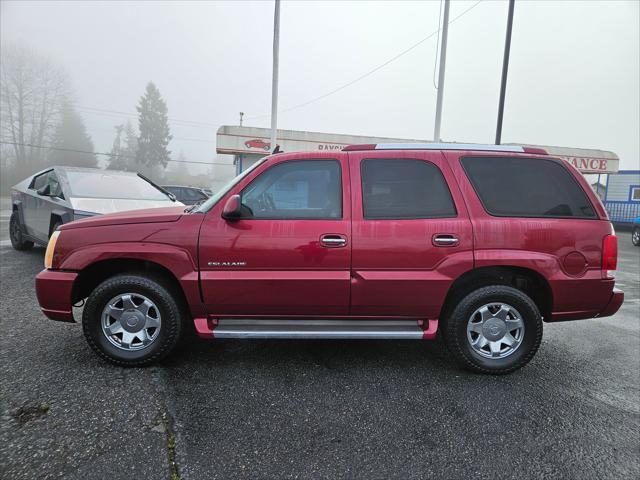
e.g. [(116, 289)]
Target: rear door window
[(404, 189), (526, 187)]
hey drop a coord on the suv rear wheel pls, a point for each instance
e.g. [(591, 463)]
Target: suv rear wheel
[(15, 233), (635, 236), (495, 329), (132, 320)]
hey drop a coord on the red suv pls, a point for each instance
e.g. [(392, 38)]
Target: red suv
[(480, 243)]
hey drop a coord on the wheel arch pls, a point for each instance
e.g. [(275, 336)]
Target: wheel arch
[(16, 206), (524, 279), (94, 274), (59, 215)]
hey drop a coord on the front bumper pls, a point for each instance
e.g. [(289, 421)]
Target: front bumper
[(54, 289)]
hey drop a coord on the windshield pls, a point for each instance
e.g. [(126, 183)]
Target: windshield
[(206, 206), (112, 185)]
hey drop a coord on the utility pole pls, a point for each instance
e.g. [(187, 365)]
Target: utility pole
[(505, 68), (443, 60), (274, 80), (241, 115)]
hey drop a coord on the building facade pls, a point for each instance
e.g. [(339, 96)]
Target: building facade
[(248, 144), (622, 196)]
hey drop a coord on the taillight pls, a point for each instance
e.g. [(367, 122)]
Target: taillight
[(609, 256)]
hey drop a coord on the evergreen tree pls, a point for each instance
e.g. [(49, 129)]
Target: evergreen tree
[(125, 148), (116, 160), (130, 141), (71, 134), (152, 152)]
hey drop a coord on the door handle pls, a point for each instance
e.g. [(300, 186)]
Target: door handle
[(333, 240), (445, 240)]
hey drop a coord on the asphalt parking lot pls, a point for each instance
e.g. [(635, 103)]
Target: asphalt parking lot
[(315, 409)]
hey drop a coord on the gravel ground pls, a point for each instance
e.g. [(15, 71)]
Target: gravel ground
[(315, 409)]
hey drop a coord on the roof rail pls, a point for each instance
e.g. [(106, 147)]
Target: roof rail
[(440, 146)]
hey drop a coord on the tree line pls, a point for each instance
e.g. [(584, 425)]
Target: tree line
[(40, 126)]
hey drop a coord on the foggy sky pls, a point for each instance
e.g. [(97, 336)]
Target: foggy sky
[(573, 77)]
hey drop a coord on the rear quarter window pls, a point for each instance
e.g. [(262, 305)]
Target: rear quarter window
[(526, 187)]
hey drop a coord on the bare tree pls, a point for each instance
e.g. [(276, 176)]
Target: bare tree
[(33, 91)]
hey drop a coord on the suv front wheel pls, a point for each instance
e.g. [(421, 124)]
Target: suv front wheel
[(132, 320), (495, 329)]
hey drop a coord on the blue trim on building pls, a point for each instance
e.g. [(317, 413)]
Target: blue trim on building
[(622, 212)]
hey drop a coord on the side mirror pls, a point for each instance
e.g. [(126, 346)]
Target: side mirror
[(232, 209), (44, 191)]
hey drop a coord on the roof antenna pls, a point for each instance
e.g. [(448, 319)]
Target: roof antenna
[(277, 150)]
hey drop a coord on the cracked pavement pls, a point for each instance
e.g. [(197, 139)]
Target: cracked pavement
[(315, 409)]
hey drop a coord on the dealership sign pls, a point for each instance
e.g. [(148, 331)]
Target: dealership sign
[(236, 140), (584, 159)]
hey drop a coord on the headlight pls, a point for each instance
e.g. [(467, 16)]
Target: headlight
[(51, 246)]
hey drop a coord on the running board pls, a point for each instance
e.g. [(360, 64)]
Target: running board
[(325, 329)]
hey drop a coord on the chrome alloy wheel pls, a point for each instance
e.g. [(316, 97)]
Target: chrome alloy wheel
[(495, 330), (131, 321), (635, 236)]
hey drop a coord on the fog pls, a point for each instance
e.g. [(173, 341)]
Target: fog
[(573, 77)]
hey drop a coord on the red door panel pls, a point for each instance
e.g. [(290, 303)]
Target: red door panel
[(276, 267), (397, 268)]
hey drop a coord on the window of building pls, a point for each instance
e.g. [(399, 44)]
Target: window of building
[(304, 189), (634, 195), (404, 189), (527, 187)]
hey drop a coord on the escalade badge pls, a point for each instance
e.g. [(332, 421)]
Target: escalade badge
[(227, 264)]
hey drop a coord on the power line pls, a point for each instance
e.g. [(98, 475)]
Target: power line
[(107, 154), (198, 124), (110, 130), (120, 113), (370, 72)]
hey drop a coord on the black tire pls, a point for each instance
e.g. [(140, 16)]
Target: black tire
[(169, 307), (16, 234), (455, 330), (635, 236)]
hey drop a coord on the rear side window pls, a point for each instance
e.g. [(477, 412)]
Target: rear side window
[(404, 189), (526, 187)]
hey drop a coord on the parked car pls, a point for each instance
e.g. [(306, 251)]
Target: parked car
[(635, 232), (480, 243), (58, 195), (187, 195), (257, 143)]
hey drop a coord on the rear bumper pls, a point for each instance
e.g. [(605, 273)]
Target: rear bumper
[(54, 289), (617, 297), (612, 305)]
